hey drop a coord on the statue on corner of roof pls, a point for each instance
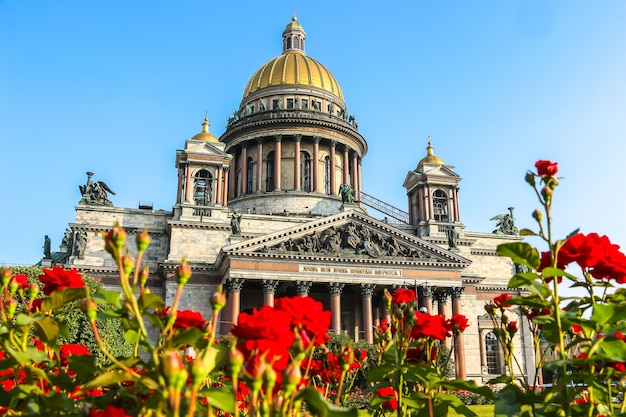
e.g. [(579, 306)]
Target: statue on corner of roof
[(348, 195), (452, 235), (46, 247), (235, 224), (505, 224), (94, 193)]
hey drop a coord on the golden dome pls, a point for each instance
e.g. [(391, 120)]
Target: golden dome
[(430, 157), (293, 68), (293, 25), (205, 134)]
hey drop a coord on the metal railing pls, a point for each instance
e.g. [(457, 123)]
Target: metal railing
[(384, 208)]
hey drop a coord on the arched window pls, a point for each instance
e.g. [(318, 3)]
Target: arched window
[(305, 171), (249, 175), (202, 188), (289, 43), (440, 206), (296, 42), (327, 190), (269, 172), (491, 353)]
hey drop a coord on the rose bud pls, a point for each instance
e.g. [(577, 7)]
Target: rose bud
[(530, 178), (172, 366), (511, 328), (11, 305), (346, 358), (90, 307), (291, 377), (144, 275), (183, 272), (538, 215), (6, 276), (34, 291), (128, 262), (142, 240), (218, 300)]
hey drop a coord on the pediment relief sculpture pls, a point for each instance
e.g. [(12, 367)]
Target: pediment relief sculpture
[(349, 240)]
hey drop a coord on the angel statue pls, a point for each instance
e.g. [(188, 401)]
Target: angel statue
[(94, 193), (505, 224)]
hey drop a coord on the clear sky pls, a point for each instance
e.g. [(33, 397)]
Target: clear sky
[(116, 86)]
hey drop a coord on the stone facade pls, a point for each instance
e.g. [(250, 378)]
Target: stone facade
[(258, 210)]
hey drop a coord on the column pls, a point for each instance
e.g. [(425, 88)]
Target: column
[(234, 286), (219, 186), (359, 183), (244, 171), (346, 168), (269, 289), (233, 174), (442, 299), (181, 177), (259, 165), (335, 305), (421, 200), (303, 288), (457, 214), (296, 162), (459, 346), (333, 189), (277, 161), (366, 299), (188, 185), (355, 174), (426, 297), (225, 188), (316, 162)]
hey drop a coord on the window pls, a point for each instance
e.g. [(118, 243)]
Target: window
[(296, 43), (249, 175), (491, 353), (327, 175), (290, 103), (202, 188), (305, 171), (440, 206), (269, 172), (276, 104), (288, 43), (304, 104)]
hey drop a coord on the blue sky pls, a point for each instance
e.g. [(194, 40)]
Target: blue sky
[(115, 87)]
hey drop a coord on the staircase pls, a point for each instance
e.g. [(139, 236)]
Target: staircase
[(381, 206)]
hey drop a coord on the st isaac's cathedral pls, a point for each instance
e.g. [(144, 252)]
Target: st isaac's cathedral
[(275, 207)]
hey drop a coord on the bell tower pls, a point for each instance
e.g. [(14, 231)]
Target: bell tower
[(433, 193)]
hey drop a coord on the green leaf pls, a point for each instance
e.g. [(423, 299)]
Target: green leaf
[(520, 253), (154, 320), (150, 300), (48, 330), (318, 406), (550, 272), (84, 366), (131, 336), (602, 313), (506, 403), (220, 398), (524, 279), (188, 336), (471, 386), (106, 297), (109, 378), (527, 232), (58, 299), (379, 373), (27, 319)]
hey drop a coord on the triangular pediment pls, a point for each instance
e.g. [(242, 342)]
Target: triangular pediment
[(348, 236), (201, 147), (431, 172)]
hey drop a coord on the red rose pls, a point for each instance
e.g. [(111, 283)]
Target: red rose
[(403, 296), (185, 318), (70, 349), (110, 411), (392, 403), (457, 324), (21, 280), (501, 301), (57, 278), (431, 326), (307, 316), (546, 168)]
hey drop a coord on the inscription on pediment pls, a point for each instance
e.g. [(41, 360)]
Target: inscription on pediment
[(350, 240)]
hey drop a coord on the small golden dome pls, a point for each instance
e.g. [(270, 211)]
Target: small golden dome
[(293, 25), (293, 68), (430, 157), (205, 134)]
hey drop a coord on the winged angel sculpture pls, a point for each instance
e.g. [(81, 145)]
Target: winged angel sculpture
[(94, 193), (505, 224)]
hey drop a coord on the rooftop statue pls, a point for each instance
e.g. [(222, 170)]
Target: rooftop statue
[(506, 224), (348, 195), (46, 247), (94, 193)]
